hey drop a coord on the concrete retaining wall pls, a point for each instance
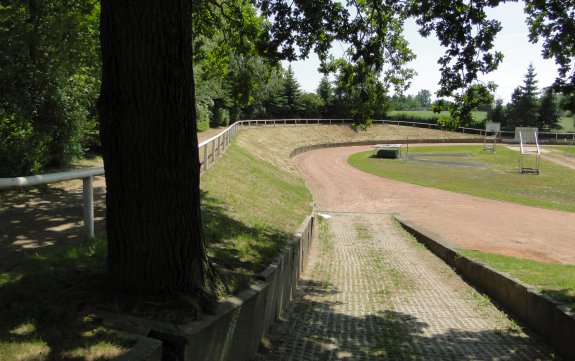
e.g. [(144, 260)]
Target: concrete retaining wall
[(311, 147), (235, 331), (551, 320)]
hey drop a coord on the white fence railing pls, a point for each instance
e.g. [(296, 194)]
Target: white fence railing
[(87, 177), (217, 144), (481, 132), (209, 152)]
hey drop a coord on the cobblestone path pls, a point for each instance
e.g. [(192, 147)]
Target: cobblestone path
[(371, 292)]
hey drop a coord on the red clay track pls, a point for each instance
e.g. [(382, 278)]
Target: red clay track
[(465, 221)]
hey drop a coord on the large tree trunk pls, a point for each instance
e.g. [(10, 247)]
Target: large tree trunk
[(149, 144)]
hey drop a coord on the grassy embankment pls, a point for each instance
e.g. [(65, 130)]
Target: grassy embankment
[(499, 179), (250, 209)]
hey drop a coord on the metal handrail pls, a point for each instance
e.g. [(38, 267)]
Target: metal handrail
[(87, 176), (218, 142)]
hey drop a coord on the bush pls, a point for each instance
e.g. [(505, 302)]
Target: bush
[(446, 122), (221, 118), (202, 117), (412, 118), (21, 150)]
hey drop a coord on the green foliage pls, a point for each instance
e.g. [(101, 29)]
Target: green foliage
[(202, 116), (423, 97), (468, 36), (446, 122), (48, 79), (312, 105), (524, 106), (325, 93), (20, 149), (497, 114), (548, 111), (553, 22), (291, 95), (469, 100)]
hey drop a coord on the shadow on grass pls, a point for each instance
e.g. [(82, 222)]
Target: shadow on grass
[(42, 300), (319, 328), (45, 291), (44, 216), (238, 250)]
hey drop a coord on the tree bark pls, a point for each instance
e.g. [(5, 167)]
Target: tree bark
[(149, 145)]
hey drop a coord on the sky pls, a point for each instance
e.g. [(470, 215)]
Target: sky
[(512, 41)]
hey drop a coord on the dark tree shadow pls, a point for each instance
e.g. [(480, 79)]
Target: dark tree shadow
[(238, 250), (319, 330), (43, 216)]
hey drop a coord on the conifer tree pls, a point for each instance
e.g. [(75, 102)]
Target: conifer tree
[(524, 107)]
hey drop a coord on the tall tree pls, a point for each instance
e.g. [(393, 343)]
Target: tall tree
[(423, 97), (325, 92), (548, 111), (148, 131), (291, 94), (524, 106), (497, 114)]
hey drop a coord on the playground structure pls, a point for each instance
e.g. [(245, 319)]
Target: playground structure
[(492, 131), (530, 151)]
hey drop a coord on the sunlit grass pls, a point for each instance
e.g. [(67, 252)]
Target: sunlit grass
[(496, 175), (250, 211), (477, 115), (555, 280)]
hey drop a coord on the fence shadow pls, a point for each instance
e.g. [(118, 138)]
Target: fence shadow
[(43, 216)]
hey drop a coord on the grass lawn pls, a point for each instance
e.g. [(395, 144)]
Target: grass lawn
[(555, 280), (42, 302), (565, 149), (495, 176), (567, 124), (477, 116)]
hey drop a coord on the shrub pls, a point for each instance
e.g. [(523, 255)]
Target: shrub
[(202, 117), (21, 150), (221, 118), (446, 122)]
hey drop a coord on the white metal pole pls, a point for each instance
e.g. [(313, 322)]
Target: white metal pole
[(88, 194)]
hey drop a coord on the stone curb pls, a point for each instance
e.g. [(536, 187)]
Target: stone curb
[(553, 321), (307, 148)]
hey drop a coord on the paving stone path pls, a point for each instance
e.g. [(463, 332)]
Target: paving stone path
[(371, 292)]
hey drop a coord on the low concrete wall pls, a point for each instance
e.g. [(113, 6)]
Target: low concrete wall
[(550, 319), (235, 331), (311, 147)]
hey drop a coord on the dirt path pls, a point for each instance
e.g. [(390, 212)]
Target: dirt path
[(466, 221), (372, 293)]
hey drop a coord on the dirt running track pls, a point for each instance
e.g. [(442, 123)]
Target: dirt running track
[(465, 221)]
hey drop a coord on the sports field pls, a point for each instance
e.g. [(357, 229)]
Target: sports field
[(471, 170)]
